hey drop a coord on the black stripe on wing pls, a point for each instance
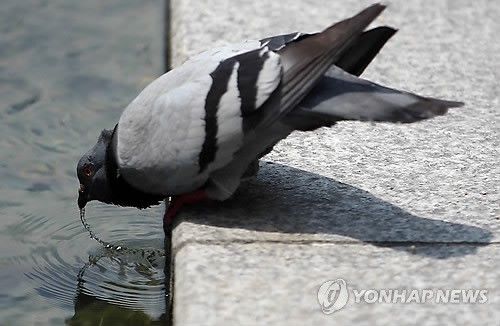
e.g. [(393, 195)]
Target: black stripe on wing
[(254, 90), (256, 82), (251, 64), (220, 79)]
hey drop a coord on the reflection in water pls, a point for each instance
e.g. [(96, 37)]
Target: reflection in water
[(131, 278), (92, 311), (125, 279)]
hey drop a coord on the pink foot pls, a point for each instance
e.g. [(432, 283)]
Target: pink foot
[(176, 203)]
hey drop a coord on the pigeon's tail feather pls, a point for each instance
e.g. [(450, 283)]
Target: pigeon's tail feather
[(359, 55), (306, 60), (342, 96)]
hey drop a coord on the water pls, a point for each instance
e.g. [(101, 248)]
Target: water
[(67, 70), (50, 266)]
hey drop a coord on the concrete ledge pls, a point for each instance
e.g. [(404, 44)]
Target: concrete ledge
[(277, 284), (382, 205)]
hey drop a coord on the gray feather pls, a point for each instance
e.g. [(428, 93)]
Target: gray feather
[(341, 96)]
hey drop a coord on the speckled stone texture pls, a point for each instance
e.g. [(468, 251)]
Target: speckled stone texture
[(383, 206)]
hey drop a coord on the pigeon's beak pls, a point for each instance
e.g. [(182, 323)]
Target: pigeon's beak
[(83, 197)]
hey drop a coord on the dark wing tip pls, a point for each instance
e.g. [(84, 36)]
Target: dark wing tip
[(359, 21), (425, 108), (443, 104), (381, 5), (452, 104), (366, 47), (373, 11)]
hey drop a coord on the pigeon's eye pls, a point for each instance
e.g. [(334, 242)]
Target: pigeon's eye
[(87, 170)]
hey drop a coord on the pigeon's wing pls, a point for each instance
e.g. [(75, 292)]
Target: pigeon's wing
[(342, 96), (355, 58), (234, 104), (303, 60), (194, 119), (306, 60)]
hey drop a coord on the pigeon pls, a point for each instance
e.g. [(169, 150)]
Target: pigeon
[(198, 130)]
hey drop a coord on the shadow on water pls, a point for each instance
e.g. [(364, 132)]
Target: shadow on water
[(288, 200)]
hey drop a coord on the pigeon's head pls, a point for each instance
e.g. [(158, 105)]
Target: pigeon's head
[(92, 172), (100, 179)]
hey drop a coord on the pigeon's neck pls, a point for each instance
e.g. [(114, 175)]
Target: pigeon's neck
[(122, 192), (111, 162)]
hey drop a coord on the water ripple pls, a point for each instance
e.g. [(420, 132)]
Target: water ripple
[(64, 263)]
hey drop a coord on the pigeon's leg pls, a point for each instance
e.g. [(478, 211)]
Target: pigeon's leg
[(176, 203)]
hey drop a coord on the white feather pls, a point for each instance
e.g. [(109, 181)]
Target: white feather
[(269, 76), (229, 123)]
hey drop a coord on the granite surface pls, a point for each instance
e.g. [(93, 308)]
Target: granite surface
[(383, 206)]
